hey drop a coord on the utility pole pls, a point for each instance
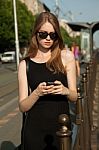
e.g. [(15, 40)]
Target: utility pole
[(16, 34), (57, 8)]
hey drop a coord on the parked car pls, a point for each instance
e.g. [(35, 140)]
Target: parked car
[(0, 56), (8, 57)]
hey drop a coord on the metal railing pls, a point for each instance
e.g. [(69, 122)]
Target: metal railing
[(84, 107)]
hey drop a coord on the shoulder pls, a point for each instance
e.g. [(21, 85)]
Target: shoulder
[(67, 56), (22, 66), (22, 63)]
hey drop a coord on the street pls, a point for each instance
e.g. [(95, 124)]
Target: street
[(10, 116)]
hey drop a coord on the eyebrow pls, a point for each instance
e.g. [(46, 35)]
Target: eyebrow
[(45, 31)]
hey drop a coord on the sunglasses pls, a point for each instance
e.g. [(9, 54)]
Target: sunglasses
[(43, 35)]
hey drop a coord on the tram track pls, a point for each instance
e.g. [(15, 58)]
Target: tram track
[(8, 91), (8, 88)]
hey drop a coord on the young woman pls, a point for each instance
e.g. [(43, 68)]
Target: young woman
[(49, 61)]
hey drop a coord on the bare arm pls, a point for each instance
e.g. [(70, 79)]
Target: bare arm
[(25, 101), (69, 62), (71, 77)]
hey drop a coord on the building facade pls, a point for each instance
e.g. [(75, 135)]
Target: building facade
[(35, 6)]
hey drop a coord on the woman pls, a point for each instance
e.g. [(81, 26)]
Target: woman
[(48, 61)]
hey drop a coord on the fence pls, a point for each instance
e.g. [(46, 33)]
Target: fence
[(84, 107)]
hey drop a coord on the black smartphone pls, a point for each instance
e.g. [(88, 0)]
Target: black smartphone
[(50, 83)]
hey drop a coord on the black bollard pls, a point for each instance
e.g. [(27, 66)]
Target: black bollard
[(79, 144), (79, 111), (86, 115), (64, 133), (84, 81)]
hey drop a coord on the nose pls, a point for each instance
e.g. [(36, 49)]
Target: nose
[(48, 37)]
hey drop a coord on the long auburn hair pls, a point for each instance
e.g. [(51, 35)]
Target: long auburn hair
[(54, 63)]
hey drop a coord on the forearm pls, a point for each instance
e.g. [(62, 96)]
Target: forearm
[(72, 95), (29, 101)]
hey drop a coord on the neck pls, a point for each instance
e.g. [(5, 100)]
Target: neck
[(43, 55)]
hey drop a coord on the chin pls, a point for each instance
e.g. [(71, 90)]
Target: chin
[(47, 46)]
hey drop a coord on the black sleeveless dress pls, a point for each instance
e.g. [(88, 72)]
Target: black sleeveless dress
[(42, 119)]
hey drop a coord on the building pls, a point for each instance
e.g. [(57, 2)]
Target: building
[(35, 6), (69, 30)]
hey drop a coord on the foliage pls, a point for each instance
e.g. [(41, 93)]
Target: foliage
[(67, 39), (6, 25), (25, 21)]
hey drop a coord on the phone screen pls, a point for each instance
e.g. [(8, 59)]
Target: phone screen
[(50, 83)]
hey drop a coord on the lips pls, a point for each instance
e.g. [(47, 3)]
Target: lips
[(47, 43)]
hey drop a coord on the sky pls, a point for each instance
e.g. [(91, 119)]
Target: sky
[(77, 11)]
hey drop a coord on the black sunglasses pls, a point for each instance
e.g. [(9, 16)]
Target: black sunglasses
[(43, 35)]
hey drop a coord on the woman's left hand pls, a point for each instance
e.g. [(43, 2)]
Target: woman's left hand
[(59, 88)]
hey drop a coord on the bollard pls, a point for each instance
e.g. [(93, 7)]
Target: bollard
[(88, 74), (90, 66), (79, 144), (84, 81), (64, 133), (79, 108), (89, 99), (86, 117)]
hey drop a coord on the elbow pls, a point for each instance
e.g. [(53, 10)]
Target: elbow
[(22, 108), (73, 97)]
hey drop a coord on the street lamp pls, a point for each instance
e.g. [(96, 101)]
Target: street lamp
[(16, 33)]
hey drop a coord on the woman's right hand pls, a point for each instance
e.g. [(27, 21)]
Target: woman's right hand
[(41, 89)]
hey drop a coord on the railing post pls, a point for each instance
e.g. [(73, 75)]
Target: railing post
[(79, 143), (86, 123), (89, 100), (88, 75), (84, 81), (64, 134), (79, 108)]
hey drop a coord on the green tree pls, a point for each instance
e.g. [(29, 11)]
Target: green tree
[(69, 40), (7, 32), (66, 38), (6, 25), (25, 23)]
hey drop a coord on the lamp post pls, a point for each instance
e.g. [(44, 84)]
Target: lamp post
[(57, 8), (16, 34)]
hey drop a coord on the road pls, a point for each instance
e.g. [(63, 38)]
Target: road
[(10, 116)]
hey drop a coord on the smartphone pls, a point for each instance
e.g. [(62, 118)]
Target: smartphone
[(50, 83)]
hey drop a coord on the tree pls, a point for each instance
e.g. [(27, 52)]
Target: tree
[(25, 24), (66, 38), (69, 40), (6, 25)]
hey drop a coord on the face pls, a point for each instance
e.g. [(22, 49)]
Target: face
[(46, 35)]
